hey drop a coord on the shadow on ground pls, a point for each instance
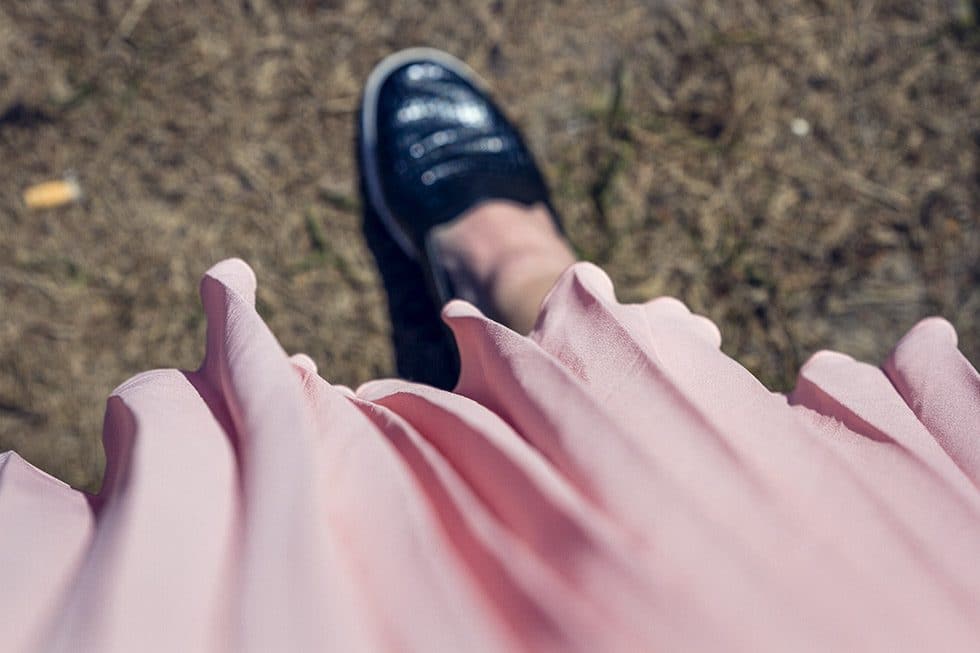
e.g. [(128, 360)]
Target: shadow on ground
[(424, 349)]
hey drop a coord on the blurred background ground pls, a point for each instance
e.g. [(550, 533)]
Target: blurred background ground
[(212, 129)]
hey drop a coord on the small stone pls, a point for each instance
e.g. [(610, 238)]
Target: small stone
[(799, 126)]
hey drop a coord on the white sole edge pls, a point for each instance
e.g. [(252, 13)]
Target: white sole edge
[(369, 129)]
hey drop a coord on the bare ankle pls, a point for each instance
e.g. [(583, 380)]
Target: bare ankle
[(504, 257)]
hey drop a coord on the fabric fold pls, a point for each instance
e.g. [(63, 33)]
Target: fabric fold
[(611, 482)]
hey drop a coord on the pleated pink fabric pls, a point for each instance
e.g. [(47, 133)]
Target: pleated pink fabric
[(611, 483)]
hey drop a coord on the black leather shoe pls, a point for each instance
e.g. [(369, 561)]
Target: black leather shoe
[(433, 145)]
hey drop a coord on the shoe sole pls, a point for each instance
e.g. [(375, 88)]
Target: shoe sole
[(369, 130)]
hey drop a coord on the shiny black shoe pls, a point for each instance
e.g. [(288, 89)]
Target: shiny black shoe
[(433, 145)]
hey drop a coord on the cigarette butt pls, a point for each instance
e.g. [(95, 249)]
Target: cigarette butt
[(50, 194)]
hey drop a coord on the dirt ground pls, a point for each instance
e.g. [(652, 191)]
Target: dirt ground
[(805, 173)]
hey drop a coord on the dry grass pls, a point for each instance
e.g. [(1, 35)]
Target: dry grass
[(205, 130)]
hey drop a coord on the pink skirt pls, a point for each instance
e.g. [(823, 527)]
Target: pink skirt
[(613, 482)]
